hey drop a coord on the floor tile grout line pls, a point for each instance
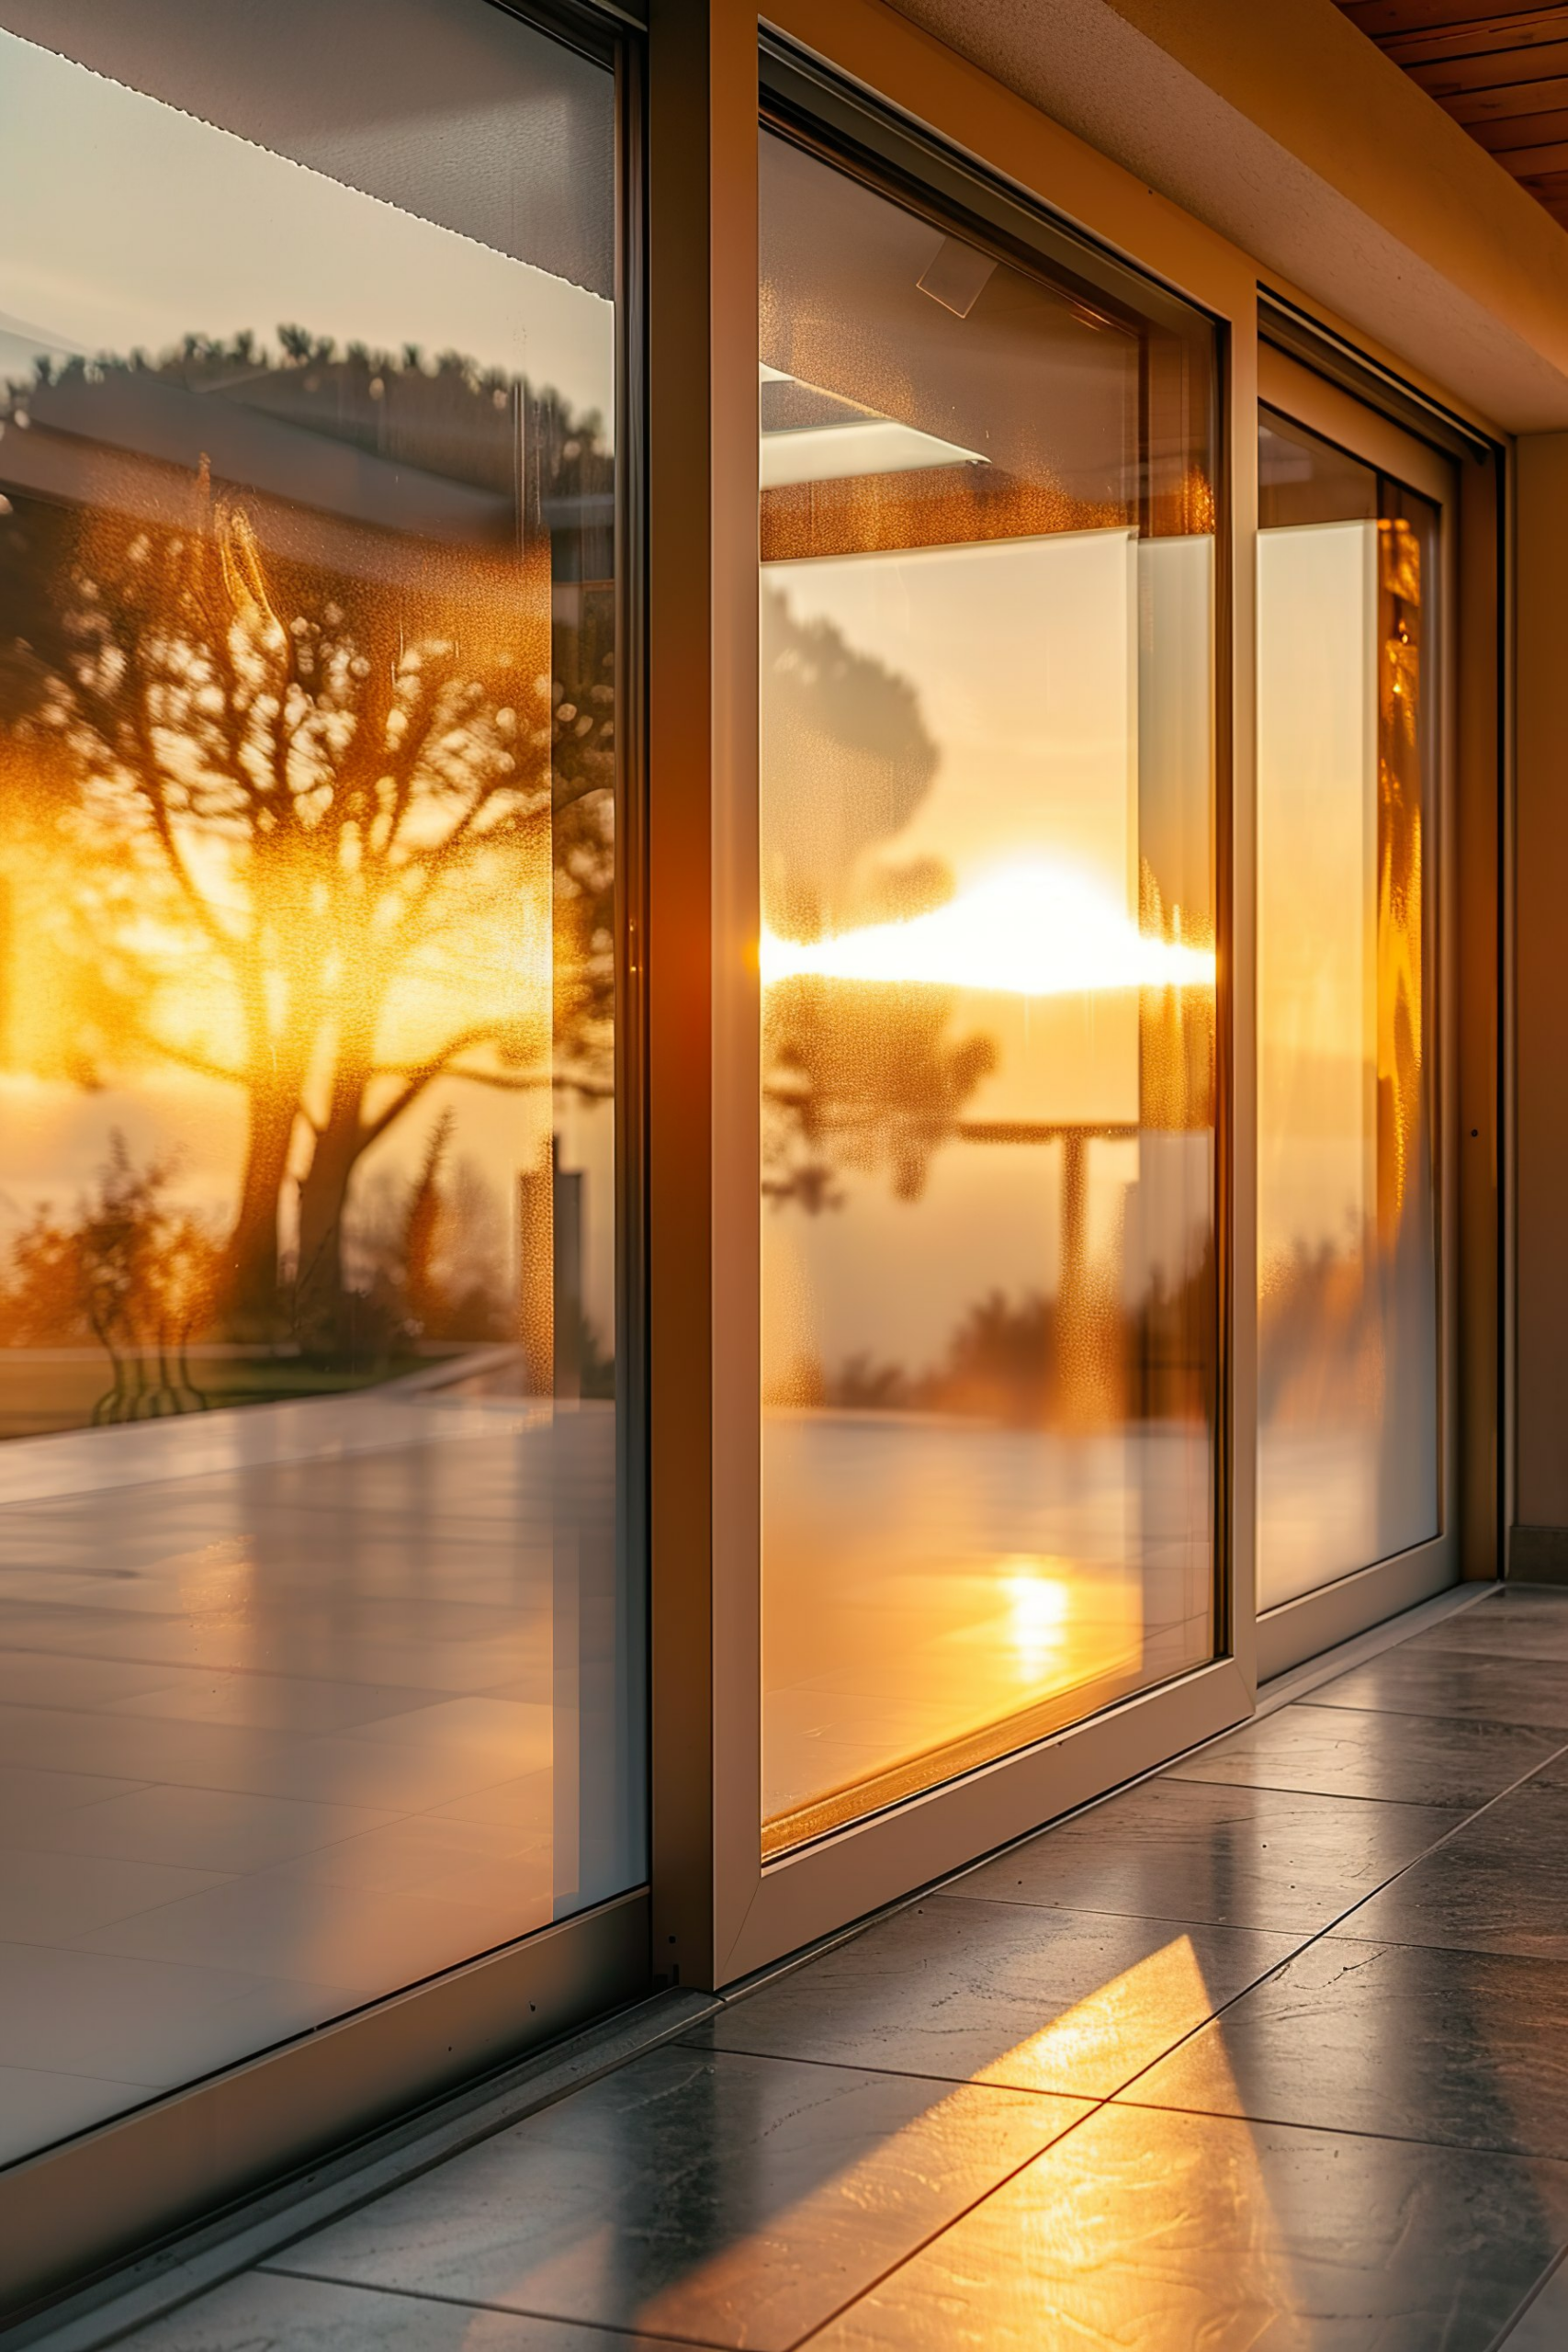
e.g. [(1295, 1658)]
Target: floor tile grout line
[(1318, 1935), (1154, 1918), (932, 2237), (1336, 2131), (509, 2310), (1449, 1835), (1339, 1796), (1424, 1714), (945, 2083)]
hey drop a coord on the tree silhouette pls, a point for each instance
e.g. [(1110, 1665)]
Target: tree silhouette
[(856, 1076), (133, 1272), (354, 772)]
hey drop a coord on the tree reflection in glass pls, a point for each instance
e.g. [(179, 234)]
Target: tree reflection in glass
[(317, 813)]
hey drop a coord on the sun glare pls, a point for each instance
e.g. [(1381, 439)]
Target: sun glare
[(1031, 929)]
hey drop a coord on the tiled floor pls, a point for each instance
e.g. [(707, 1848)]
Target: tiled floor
[(1269, 2054)]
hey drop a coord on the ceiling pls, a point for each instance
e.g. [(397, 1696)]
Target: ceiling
[(1504, 76)]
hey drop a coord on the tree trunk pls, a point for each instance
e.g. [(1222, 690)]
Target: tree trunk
[(276, 1054), (252, 1306), (322, 1303)]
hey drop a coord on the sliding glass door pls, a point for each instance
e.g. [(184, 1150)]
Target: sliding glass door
[(1350, 724), (322, 1665), (988, 968)]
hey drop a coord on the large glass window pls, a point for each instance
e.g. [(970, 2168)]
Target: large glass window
[(321, 1666), (988, 956), (1347, 757)]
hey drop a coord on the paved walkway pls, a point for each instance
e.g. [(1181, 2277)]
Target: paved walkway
[(1270, 2051)]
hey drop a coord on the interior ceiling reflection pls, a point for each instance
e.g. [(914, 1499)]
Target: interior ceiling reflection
[(450, 110), (1032, 380)]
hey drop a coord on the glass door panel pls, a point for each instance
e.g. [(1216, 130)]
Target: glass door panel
[(1347, 718), (988, 954), (322, 1665)]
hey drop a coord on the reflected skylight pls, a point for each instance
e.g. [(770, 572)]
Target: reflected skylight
[(812, 435)]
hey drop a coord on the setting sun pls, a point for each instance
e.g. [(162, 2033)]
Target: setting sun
[(1029, 930)]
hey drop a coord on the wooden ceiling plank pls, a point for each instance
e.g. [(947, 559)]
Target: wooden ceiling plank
[(1525, 162), (1505, 139), (1381, 17), (1497, 68), (1506, 105), (1503, 78), (1484, 38)]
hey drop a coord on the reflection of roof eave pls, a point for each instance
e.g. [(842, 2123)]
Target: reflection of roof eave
[(839, 452), (148, 419), (147, 490)]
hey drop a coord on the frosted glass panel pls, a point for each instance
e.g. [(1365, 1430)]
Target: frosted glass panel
[(1349, 1383), (988, 956)]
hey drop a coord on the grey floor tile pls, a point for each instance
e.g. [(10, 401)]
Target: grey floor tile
[(1362, 1752), (1002, 1992), (1414, 1681), (1552, 1775), (264, 2313), (1512, 1623), (1163, 2232), (1239, 1857), (1499, 1885), (1465, 2049), (724, 2199)]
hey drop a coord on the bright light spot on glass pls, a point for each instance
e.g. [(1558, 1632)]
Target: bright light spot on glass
[(1029, 930), (1038, 1605)]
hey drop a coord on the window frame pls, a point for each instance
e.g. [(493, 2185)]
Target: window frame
[(720, 1912)]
